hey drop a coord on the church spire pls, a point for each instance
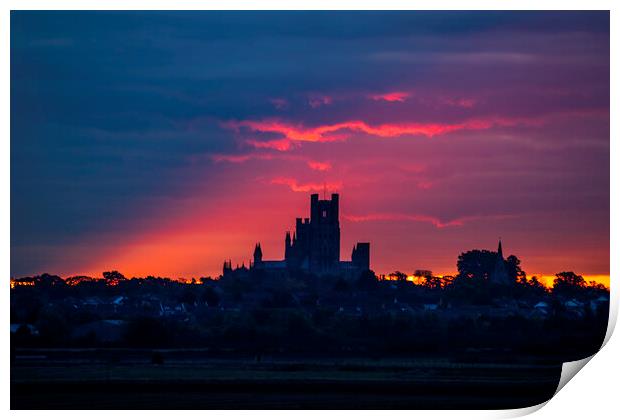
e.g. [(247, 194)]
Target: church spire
[(500, 275), (258, 254)]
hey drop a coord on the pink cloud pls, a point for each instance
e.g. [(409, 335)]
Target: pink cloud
[(330, 132), (280, 145), (319, 166), (391, 96), (295, 186)]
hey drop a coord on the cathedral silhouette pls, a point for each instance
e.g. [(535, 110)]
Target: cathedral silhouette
[(315, 245)]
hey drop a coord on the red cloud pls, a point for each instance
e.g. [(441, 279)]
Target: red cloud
[(391, 96), (281, 145), (319, 166), (325, 133), (307, 187)]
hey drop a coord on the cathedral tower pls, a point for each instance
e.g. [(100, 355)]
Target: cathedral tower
[(324, 234)]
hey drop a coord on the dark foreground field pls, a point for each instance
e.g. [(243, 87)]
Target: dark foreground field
[(144, 379)]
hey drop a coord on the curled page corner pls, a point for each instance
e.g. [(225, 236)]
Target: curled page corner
[(570, 369), (521, 412)]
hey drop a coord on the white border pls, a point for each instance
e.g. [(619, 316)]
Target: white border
[(593, 394)]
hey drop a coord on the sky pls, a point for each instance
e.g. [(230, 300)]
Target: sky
[(164, 143)]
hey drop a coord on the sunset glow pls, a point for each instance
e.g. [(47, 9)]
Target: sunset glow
[(169, 153)]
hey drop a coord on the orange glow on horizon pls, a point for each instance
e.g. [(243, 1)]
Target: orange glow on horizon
[(545, 279), (142, 272)]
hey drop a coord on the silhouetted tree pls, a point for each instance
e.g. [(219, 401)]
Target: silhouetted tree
[(473, 283), (530, 288), (46, 280), (446, 281), (597, 286), (568, 283), (478, 266), (75, 280), (398, 276), (513, 268), (422, 274), (113, 277), (535, 284), (432, 282)]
